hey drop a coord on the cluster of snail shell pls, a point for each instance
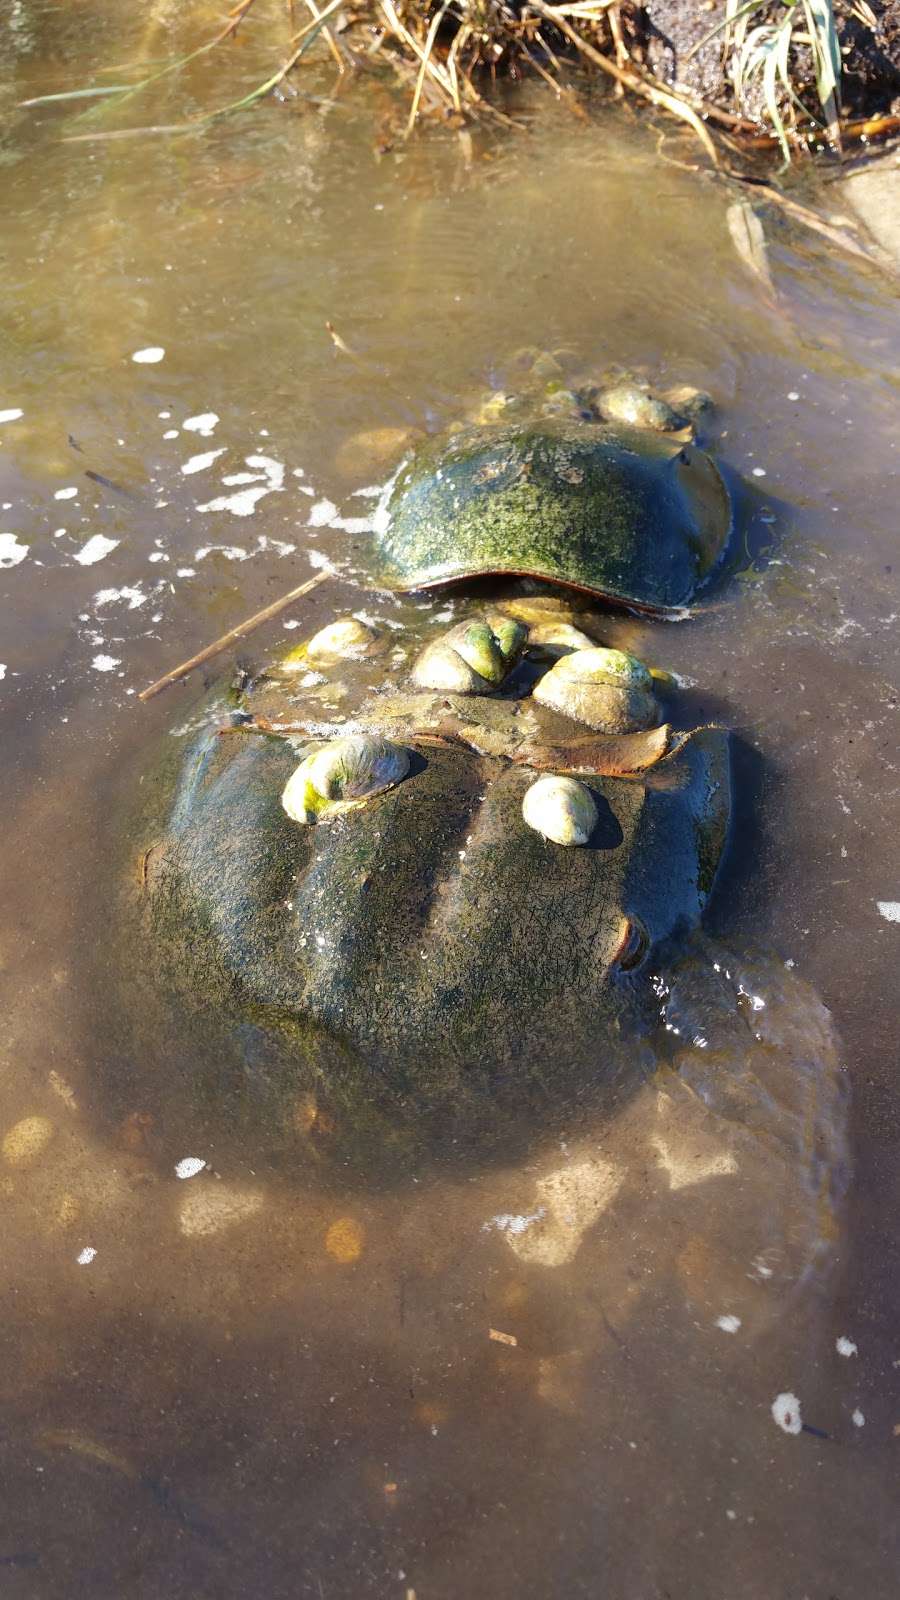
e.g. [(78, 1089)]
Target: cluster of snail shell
[(609, 690)]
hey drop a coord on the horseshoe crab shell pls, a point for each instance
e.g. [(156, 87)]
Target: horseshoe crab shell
[(620, 512)]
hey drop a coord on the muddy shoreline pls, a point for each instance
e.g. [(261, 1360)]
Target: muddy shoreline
[(672, 36)]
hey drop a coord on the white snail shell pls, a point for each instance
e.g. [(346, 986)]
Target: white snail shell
[(562, 809)]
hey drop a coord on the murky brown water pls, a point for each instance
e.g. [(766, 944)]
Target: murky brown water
[(260, 1385)]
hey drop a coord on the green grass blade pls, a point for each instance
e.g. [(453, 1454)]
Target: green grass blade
[(74, 94)]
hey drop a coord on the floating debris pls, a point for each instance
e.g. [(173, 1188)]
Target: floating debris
[(502, 1338), (86, 1256), (786, 1412), (845, 1346), (189, 1166), (149, 356)]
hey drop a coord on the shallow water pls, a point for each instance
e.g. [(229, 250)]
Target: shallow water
[(266, 1384)]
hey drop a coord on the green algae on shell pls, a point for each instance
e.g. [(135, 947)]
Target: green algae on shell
[(409, 971), (619, 512), (472, 658), (609, 690)]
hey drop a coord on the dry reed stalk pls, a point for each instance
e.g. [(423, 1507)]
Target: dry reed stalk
[(629, 77), (436, 21), (329, 36), (235, 634)]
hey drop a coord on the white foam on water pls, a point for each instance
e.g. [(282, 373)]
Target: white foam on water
[(273, 469), (858, 1419), (728, 1324), (11, 551), (134, 594), (189, 1166), (321, 514), (2, 670), (890, 909), (149, 356), (201, 462), (786, 1412), (95, 549), (242, 504), (204, 424), (231, 552), (86, 1256), (104, 663), (845, 1346)]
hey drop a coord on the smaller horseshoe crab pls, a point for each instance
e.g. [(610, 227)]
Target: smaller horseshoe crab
[(600, 489)]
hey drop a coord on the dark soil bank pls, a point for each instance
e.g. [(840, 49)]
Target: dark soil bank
[(668, 30)]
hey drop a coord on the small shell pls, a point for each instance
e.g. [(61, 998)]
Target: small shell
[(344, 639), (346, 636), (554, 639), (598, 663), (479, 647), (606, 689), (494, 406), (628, 403), (562, 809), (691, 402), (341, 774), (473, 658), (564, 403)]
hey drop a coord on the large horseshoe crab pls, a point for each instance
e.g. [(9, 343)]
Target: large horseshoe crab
[(436, 876)]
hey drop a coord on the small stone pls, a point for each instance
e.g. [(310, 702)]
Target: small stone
[(207, 1210), (344, 1240), (26, 1140)]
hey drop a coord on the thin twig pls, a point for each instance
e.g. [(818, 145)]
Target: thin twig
[(329, 36), (234, 634), (436, 21)]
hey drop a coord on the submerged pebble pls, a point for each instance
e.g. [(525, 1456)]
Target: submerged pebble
[(26, 1140)]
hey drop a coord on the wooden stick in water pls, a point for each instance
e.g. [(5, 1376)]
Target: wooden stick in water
[(240, 632)]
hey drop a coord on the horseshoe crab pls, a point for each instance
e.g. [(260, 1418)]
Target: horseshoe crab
[(599, 489), (430, 906)]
